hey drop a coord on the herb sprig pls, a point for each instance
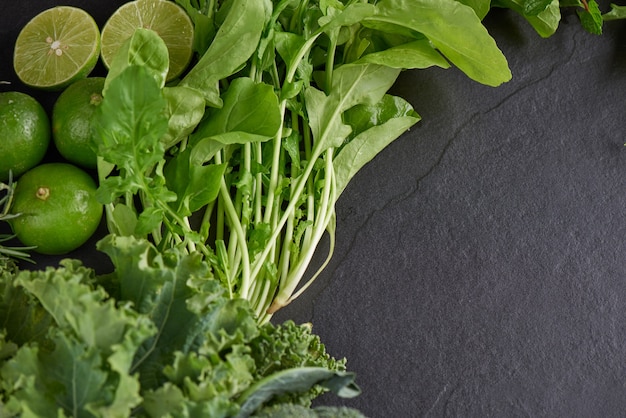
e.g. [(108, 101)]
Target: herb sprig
[(10, 251)]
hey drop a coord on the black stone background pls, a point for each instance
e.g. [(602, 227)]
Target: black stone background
[(480, 262)]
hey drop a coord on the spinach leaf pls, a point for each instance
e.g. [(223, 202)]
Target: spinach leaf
[(235, 42), (455, 30)]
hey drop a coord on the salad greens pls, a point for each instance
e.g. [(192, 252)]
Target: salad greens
[(244, 158), (219, 188), (158, 337)]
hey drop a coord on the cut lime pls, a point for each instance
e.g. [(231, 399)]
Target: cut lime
[(57, 47), (167, 19)]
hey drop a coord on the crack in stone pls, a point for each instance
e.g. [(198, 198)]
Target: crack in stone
[(437, 399), (395, 200)]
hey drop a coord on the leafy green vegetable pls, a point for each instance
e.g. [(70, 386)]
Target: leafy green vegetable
[(534, 7), (545, 22), (163, 338), (591, 17), (295, 103), (218, 189), (291, 410), (616, 12), (455, 30)]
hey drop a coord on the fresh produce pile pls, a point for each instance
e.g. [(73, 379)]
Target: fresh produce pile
[(218, 155)]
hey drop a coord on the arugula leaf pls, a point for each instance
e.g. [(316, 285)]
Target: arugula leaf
[(250, 113), (534, 7), (128, 129), (352, 84), (195, 184), (202, 15), (234, 43), (411, 55), (184, 111), (481, 7), (455, 30), (591, 17), (374, 127), (545, 22), (616, 12), (144, 48)]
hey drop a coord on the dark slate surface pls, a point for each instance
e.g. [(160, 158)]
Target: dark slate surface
[(480, 260)]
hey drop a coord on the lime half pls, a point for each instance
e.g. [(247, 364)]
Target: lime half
[(166, 18), (58, 46)]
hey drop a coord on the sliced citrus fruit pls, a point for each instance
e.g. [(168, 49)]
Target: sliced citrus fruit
[(167, 19), (57, 206), (72, 119), (58, 46), (24, 133)]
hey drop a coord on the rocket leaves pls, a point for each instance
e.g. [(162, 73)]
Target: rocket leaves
[(236, 161)]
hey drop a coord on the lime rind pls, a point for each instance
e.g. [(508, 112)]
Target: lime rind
[(57, 47)]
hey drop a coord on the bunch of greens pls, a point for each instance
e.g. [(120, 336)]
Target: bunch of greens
[(158, 337), (219, 187), (244, 158)]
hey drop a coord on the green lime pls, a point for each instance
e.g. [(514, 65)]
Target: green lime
[(72, 116), (24, 133), (58, 46), (57, 206), (166, 18)]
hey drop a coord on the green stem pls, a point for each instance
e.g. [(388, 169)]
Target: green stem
[(236, 227), (322, 220)]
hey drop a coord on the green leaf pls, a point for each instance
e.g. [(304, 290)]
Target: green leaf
[(411, 55), (235, 42), (375, 127), (169, 400), (70, 378), (455, 30), (545, 23), (82, 369), (201, 15), (250, 112), (481, 7), (616, 12), (350, 15), (195, 184), (157, 285), (185, 108), (144, 48), (22, 318), (296, 380), (591, 18), (67, 296), (129, 124), (352, 84), (534, 7), (125, 219)]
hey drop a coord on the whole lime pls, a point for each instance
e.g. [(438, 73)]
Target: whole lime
[(24, 133), (72, 116), (57, 207)]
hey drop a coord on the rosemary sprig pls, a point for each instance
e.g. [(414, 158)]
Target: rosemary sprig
[(7, 251)]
